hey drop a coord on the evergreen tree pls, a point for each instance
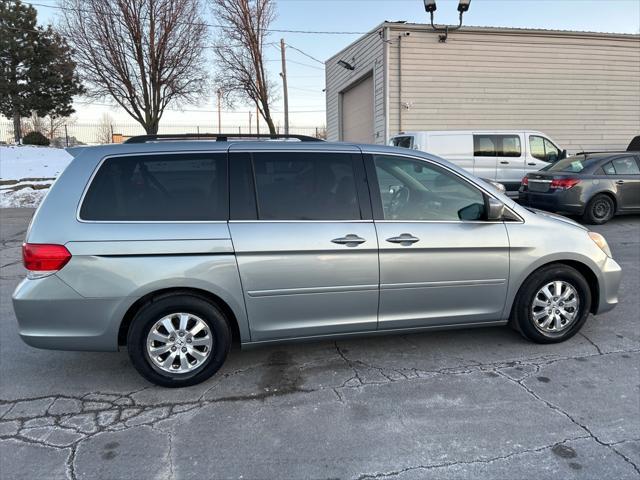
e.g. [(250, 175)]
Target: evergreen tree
[(37, 73)]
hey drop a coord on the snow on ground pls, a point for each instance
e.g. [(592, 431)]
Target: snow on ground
[(27, 172)]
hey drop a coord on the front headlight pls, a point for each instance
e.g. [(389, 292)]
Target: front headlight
[(601, 242)]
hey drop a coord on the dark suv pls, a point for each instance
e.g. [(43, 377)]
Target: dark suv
[(594, 185)]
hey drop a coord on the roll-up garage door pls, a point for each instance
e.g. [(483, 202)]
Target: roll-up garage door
[(357, 112)]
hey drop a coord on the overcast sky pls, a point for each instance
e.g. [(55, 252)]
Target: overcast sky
[(306, 78)]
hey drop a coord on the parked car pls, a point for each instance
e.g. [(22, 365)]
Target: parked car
[(503, 156), (173, 248), (594, 185)]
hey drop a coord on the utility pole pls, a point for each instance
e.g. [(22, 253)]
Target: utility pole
[(283, 74), (250, 114), (257, 120), (219, 113)]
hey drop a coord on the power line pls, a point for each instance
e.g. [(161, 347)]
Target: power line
[(305, 54), (223, 27)]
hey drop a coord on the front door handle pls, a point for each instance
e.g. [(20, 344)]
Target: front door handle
[(504, 162), (620, 182), (404, 239), (349, 240)]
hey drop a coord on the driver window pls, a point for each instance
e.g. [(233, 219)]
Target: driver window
[(415, 190), (552, 152)]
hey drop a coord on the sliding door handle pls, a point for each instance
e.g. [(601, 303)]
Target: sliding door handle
[(349, 240), (404, 239)]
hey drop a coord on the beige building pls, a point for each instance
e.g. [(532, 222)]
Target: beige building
[(582, 89)]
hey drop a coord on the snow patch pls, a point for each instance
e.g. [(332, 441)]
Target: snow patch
[(27, 172), (25, 197)]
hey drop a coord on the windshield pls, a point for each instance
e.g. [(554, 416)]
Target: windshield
[(404, 142), (570, 164)]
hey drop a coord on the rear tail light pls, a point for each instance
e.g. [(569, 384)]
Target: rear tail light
[(44, 258), (564, 183), (525, 181)]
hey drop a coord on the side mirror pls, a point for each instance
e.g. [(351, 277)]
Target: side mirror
[(496, 209), (563, 154)]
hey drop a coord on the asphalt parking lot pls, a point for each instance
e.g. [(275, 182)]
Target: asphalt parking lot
[(460, 404)]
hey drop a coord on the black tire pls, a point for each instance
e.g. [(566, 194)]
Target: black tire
[(152, 312), (600, 209), (522, 312)]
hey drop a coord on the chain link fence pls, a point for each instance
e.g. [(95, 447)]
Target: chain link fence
[(72, 134)]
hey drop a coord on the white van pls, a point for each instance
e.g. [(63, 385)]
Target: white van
[(503, 156)]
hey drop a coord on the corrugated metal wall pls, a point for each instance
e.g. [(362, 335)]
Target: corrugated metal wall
[(581, 89)]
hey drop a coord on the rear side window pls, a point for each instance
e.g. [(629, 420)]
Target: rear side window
[(484, 145), (497, 145), (305, 186), (626, 166), (180, 187)]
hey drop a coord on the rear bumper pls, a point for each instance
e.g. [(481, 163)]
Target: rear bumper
[(610, 277), (51, 315), (562, 201)]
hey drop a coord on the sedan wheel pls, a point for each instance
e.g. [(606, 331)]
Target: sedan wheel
[(600, 209)]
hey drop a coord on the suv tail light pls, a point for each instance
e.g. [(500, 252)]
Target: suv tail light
[(41, 257), (525, 181), (564, 183)]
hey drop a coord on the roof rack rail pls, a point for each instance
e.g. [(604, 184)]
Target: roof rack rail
[(593, 152), (218, 137)]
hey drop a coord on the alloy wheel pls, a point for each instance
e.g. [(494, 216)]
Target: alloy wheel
[(555, 307), (179, 343)]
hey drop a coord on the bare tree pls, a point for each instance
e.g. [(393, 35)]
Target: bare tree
[(239, 51), (104, 129), (48, 126), (144, 54)]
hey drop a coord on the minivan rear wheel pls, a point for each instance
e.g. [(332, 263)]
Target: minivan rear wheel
[(178, 340), (552, 304), (599, 210)]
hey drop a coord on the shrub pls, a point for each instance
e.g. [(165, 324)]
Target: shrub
[(35, 138)]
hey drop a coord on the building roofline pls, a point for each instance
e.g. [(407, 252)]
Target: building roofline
[(514, 30), (373, 31), (488, 30)]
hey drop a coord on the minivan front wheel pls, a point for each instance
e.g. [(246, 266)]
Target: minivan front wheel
[(178, 340), (552, 304)]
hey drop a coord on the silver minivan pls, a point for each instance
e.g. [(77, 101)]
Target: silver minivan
[(174, 248)]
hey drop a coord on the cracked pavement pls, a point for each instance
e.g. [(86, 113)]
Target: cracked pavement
[(480, 403)]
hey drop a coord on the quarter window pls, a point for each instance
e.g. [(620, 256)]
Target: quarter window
[(305, 186), (180, 187), (609, 169), (414, 190)]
